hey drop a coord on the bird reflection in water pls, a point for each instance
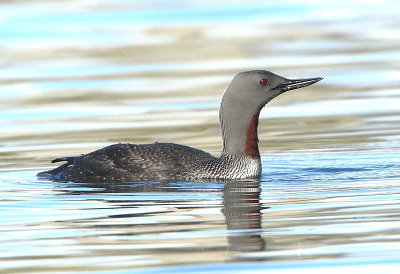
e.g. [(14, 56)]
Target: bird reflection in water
[(240, 199), (242, 211)]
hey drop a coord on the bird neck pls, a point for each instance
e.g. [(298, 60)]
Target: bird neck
[(239, 130), (252, 138)]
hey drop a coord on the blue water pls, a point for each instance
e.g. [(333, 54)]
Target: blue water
[(336, 210)]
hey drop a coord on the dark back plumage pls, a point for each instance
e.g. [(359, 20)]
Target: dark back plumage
[(131, 162)]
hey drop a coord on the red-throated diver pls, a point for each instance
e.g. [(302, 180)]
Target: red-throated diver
[(241, 104)]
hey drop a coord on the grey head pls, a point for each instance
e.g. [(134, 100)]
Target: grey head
[(245, 96)]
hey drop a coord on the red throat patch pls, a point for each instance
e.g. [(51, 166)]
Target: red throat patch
[(252, 139)]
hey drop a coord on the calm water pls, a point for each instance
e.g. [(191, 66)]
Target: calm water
[(75, 77)]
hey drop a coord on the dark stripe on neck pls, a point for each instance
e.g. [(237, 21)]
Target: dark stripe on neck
[(252, 138)]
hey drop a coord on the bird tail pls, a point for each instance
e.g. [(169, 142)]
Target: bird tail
[(62, 159), (53, 173)]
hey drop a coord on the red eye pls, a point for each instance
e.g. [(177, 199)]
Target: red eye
[(263, 82)]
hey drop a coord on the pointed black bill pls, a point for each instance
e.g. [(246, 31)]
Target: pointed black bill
[(297, 83)]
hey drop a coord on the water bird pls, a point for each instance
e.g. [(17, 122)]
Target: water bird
[(241, 103)]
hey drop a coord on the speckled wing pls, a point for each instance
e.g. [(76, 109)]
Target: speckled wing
[(130, 162)]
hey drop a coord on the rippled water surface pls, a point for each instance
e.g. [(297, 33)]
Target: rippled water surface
[(77, 76)]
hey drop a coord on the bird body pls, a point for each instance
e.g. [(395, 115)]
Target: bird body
[(146, 162), (240, 107)]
